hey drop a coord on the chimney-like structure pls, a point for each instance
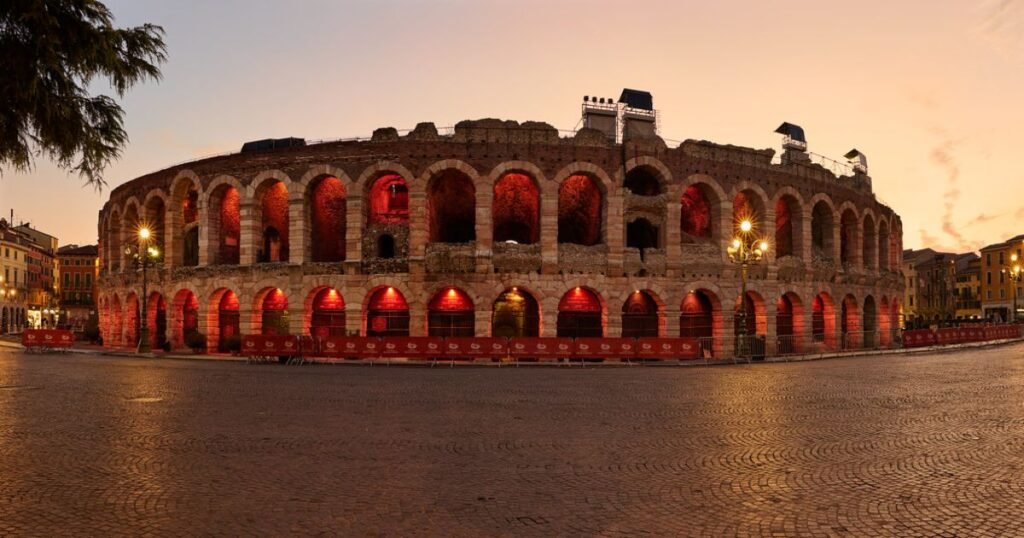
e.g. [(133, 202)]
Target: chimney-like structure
[(639, 119), (601, 114)]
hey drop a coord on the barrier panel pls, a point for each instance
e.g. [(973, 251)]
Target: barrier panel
[(47, 338), (948, 336), (355, 347), (259, 345), (541, 347), (971, 334), (605, 348), (413, 347), (667, 348), (918, 338), (468, 347)]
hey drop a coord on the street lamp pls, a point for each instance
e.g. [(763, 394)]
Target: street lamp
[(143, 254), (744, 251), (1016, 275)]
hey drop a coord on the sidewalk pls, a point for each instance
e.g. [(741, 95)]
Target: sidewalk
[(86, 349)]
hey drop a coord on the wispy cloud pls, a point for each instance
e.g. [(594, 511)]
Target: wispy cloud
[(982, 219), (1001, 23)]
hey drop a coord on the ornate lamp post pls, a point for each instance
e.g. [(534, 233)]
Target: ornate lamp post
[(744, 251), (143, 254), (1015, 273)]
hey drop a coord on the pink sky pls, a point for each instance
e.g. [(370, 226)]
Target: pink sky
[(930, 91)]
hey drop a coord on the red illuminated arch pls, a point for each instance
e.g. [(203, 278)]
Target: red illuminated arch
[(696, 315), (388, 200), (822, 230), (516, 209), (580, 314), (850, 323), (327, 313), (848, 237), (748, 205), (131, 320), (450, 313), (580, 207), (387, 313), (327, 219), (156, 313), (789, 319), (225, 224), (640, 315), (223, 320), (696, 215), (186, 309), (271, 309), (788, 226), (272, 202), (869, 244)]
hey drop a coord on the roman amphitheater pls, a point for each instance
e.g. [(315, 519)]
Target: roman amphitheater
[(499, 228)]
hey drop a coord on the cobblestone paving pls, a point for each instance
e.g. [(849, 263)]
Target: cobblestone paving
[(878, 446)]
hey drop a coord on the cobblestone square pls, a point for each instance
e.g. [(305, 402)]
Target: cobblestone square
[(900, 445)]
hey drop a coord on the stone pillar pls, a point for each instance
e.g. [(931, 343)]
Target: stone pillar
[(249, 236), (614, 231), (771, 334), (767, 230), (419, 228), (246, 320), (299, 231), (549, 231), (354, 316), (804, 249), (670, 321), (549, 316), (203, 218), (354, 220), (296, 317), (482, 320), (484, 225), (417, 317), (612, 321), (673, 233), (723, 226)]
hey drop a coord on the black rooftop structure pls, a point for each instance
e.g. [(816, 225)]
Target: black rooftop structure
[(793, 131), (272, 143), (637, 99)]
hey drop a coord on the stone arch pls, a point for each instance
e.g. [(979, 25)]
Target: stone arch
[(323, 312), (884, 242), (581, 313), (315, 172), (154, 214), (749, 202), (515, 312), (643, 314), (582, 211), (184, 215), (645, 176), (869, 241), (850, 322), (789, 219), (113, 247), (223, 318), (516, 207), (849, 234), (823, 226), (789, 322), (386, 312), (185, 310), (823, 319), (451, 203), (224, 214), (451, 311), (750, 313), (271, 194), (326, 203), (270, 311)]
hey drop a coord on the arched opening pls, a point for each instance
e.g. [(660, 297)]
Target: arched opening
[(642, 181), (131, 320), (580, 205), (112, 246), (156, 312), (225, 225), (224, 320), (386, 246), (327, 215), (642, 235), (884, 322), (387, 313), (870, 244), (640, 315), (696, 216), (750, 325), (450, 313), (696, 315), (328, 314), (451, 207), (272, 310), (788, 226), (388, 201), (186, 206), (130, 229), (580, 314), (272, 203), (155, 220), (850, 323), (516, 209), (516, 313), (822, 226), (186, 307), (883, 247), (784, 326), (4, 321), (847, 237), (747, 205), (870, 321)]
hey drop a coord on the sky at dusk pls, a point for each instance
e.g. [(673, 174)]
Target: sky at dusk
[(930, 90)]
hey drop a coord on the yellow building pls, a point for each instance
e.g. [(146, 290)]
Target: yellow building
[(998, 291)]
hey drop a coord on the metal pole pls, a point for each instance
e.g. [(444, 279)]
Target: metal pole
[(144, 346), (743, 308)]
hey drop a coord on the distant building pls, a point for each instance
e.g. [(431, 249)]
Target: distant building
[(931, 287), (27, 278), (79, 270), (997, 290), (968, 287)]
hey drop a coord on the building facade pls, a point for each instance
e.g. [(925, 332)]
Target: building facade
[(79, 273), (997, 288), (968, 287), (505, 229), (27, 273)]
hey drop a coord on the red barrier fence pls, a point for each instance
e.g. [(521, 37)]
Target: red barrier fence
[(667, 348), (959, 335), (258, 345), (47, 339)]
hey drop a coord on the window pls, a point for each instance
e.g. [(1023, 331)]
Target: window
[(67, 280), (78, 280), (88, 280), (1002, 294), (911, 300), (988, 278), (1002, 277), (1002, 259), (988, 259), (988, 295)]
